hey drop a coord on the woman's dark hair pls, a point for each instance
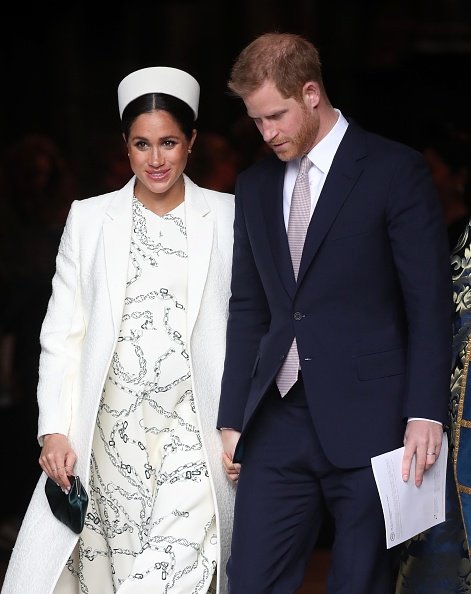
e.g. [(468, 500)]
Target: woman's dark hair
[(178, 109)]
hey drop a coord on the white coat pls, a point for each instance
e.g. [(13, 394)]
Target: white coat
[(78, 338)]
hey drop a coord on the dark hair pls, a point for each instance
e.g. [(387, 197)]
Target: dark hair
[(178, 109)]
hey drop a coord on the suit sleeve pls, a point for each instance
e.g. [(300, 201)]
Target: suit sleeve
[(248, 321), (420, 251)]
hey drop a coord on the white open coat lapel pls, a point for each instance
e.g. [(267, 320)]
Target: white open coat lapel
[(117, 243), (117, 239), (200, 229)]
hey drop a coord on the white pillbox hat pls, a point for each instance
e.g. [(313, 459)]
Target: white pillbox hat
[(159, 79)]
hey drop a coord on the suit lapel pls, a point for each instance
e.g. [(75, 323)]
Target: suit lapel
[(273, 221), (342, 176)]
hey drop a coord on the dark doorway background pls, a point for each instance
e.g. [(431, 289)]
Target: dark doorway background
[(390, 64)]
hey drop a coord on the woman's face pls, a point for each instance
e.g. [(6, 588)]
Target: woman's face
[(158, 153)]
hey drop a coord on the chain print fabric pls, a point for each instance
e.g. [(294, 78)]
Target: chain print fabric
[(150, 525)]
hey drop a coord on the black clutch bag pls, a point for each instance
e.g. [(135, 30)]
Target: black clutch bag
[(69, 508)]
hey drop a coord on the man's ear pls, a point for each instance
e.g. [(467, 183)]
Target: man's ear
[(311, 94)]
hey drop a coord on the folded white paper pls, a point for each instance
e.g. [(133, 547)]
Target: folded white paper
[(407, 509)]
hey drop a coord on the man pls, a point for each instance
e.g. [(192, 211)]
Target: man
[(365, 315)]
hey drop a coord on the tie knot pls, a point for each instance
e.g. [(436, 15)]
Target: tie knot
[(304, 166)]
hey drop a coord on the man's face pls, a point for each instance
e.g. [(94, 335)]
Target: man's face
[(289, 127)]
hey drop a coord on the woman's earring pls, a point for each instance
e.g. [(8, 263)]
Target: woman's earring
[(189, 150)]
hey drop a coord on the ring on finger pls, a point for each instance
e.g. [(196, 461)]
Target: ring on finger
[(431, 454)]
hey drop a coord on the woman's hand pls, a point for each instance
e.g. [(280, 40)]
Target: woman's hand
[(57, 459)]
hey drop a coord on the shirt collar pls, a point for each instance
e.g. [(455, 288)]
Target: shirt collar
[(323, 153)]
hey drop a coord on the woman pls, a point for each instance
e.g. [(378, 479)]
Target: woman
[(132, 351)]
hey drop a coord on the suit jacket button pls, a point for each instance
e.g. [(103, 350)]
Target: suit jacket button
[(298, 316)]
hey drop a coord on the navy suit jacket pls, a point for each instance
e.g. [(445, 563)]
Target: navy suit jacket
[(372, 308)]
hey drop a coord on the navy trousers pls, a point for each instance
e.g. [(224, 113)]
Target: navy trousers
[(285, 483)]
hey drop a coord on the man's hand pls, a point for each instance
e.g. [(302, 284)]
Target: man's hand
[(230, 437), (424, 440)]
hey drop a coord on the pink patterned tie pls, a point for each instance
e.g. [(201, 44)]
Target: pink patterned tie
[(298, 222)]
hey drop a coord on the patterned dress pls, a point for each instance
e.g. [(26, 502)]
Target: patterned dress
[(437, 560), (150, 524)]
